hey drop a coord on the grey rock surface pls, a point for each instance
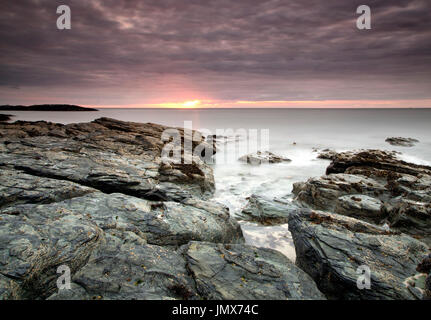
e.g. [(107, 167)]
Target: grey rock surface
[(266, 211), (402, 142), (246, 272), (106, 154), (162, 223), (261, 157), (374, 186), (331, 248)]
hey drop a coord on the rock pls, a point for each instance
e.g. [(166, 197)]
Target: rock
[(266, 211), (327, 154), (374, 186), (32, 249), (361, 206), (161, 223), (425, 267), (120, 270), (402, 142), (240, 272), (17, 187), (427, 294), (263, 157), (384, 161), (411, 217), (322, 193), (5, 117), (331, 247), (108, 155)]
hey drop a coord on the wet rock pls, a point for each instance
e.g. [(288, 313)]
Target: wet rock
[(425, 267), (360, 206), (402, 142), (17, 187), (124, 270), (266, 211), (32, 249), (326, 154), (374, 186), (262, 157), (161, 223), (331, 248), (411, 217), (385, 161), (322, 193), (244, 272), (108, 155)]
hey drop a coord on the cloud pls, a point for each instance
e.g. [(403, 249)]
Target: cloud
[(132, 51)]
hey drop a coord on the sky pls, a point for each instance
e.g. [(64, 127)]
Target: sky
[(216, 53)]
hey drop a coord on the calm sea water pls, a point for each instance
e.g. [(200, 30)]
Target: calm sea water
[(292, 133)]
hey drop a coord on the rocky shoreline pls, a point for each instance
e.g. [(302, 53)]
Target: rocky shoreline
[(97, 197)]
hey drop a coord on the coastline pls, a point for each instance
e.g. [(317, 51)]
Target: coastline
[(105, 180)]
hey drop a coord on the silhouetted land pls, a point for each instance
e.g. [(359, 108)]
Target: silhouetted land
[(46, 107), (5, 117)]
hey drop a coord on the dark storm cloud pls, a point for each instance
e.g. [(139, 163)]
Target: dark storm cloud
[(245, 50)]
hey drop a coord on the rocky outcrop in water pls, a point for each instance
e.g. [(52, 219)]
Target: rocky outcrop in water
[(374, 186), (373, 210), (263, 157), (402, 142), (266, 211)]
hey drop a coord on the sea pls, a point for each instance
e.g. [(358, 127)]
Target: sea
[(292, 133)]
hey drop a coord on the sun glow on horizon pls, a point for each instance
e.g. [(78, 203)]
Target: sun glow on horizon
[(191, 104)]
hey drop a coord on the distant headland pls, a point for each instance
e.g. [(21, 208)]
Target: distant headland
[(46, 107)]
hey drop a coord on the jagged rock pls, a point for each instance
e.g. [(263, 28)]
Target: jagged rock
[(161, 223), (322, 193), (106, 154), (327, 154), (402, 142), (262, 157), (375, 159), (266, 211), (17, 187), (375, 186), (32, 249), (411, 217), (239, 272), (425, 267), (124, 270), (331, 247)]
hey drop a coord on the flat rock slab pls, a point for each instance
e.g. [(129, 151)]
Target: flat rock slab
[(266, 211), (161, 223), (244, 272), (331, 248)]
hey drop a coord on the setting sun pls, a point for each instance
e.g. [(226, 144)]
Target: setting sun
[(191, 104)]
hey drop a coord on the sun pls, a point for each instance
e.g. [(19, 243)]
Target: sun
[(191, 104)]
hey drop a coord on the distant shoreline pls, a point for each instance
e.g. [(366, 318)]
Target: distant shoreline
[(46, 107)]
